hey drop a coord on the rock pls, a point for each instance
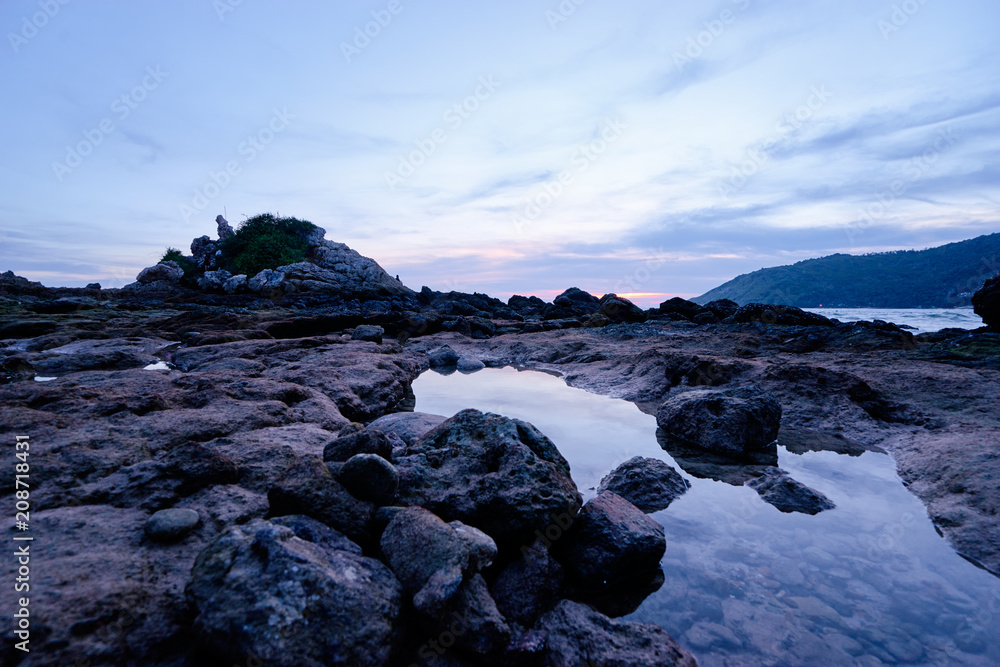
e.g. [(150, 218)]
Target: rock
[(730, 421), (225, 230), (371, 478), (775, 314), (498, 474), (722, 308), (318, 533), (706, 464), (170, 272), (266, 283), (368, 332), (574, 634), (170, 525), (262, 590), (443, 357), (367, 441), (472, 608), (618, 309), (357, 276), (309, 488), (611, 540), (687, 309), (649, 484), (777, 488), (93, 286), (407, 426), (577, 300), (235, 284), (597, 320), (214, 280), (431, 558), (529, 585), (468, 364), (13, 369), (203, 250), (986, 303)]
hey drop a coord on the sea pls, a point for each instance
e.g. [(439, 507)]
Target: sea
[(918, 320)]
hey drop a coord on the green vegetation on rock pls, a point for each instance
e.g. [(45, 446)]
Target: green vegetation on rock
[(266, 242), (941, 277), (182, 260)]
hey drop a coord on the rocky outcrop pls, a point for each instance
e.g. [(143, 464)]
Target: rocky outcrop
[(619, 309), (291, 599), (986, 303), (168, 272), (783, 315), (730, 421), (649, 484), (498, 474)]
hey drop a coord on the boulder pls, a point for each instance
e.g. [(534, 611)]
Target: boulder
[(94, 286), (469, 364), (498, 474), (722, 308), (309, 488), (357, 276), (687, 309), (775, 314), (529, 585), (203, 250), (267, 283), (225, 230), (214, 280), (371, 478), (730, 421), (574, 634), (431, 558), (649, 484), (368, 332), (442, 357), (367, 441), (578, 301), (170, 525), (986, 303), (610, 541), (266, 591), (618, 309), (170, 272), (235, 285), (777, 488)]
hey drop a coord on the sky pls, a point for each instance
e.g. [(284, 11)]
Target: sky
[(652, 149)]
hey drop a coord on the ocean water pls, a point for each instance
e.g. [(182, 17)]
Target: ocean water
[(922, 320), (870, 582)]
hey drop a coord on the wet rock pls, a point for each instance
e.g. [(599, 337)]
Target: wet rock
[(574, 634), (367, 441), (649, 484), (26, 329), (731, 421), (986, 303), (371, 478), (170, 525), (529, 585), (469, 364), (407, 426), (777, 488), (170, 272), (309, 488), (443, 357), (707, 636), (611, 540), (431, 558), (705, 464), (368, 332), (263, 590), (498, 474), (619, 309)]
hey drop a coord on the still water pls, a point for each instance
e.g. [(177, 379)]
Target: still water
[(867, 583)]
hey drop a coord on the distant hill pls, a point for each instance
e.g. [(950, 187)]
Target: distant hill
[(942, 277)]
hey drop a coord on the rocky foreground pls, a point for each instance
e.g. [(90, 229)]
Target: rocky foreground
[(260, 496)]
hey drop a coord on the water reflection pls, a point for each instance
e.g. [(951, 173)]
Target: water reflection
[(869, 582)]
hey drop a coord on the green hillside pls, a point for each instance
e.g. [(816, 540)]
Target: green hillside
[(942, 277)]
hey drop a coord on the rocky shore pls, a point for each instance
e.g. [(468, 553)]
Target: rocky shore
[(223, 470)]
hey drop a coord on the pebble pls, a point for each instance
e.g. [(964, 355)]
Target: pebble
[(171, 525)]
